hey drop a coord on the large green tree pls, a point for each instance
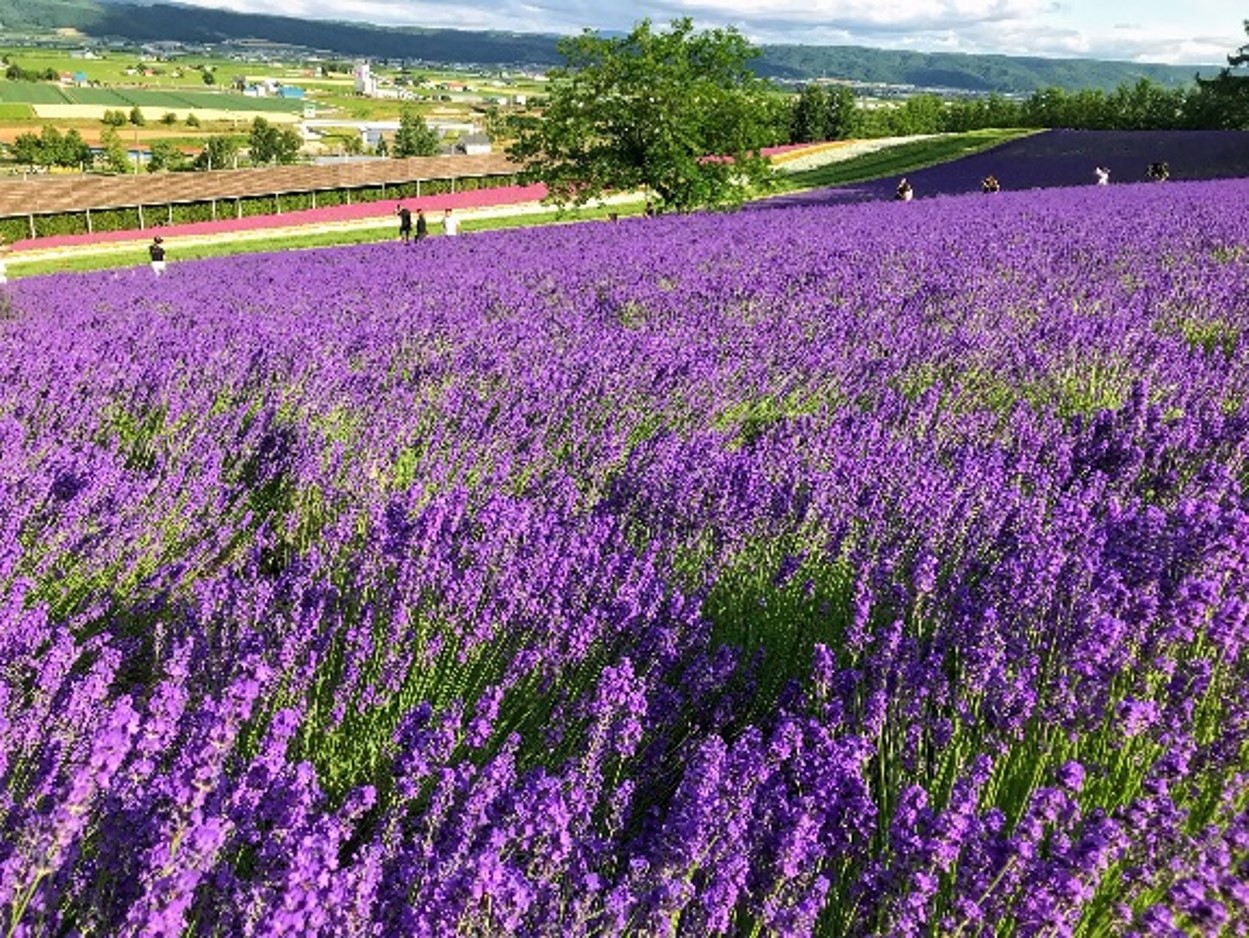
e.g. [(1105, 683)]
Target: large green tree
[(677, 112)]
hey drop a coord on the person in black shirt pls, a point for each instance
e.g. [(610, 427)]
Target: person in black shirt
[(405, 222), (422, 227), (156, 250)]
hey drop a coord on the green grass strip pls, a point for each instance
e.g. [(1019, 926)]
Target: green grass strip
[(899, 159)]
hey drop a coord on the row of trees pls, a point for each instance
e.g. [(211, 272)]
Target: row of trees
[(51, 148), (266, 144), (821, 113), (15, 72)]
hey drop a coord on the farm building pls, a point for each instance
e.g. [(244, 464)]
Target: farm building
[(473, 144)]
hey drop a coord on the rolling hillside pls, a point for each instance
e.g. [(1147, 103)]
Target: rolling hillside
[(154, 22)]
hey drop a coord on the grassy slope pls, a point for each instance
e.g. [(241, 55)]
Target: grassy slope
[(900, 159)]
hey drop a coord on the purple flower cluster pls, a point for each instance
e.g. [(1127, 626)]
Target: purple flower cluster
[(880, 570)]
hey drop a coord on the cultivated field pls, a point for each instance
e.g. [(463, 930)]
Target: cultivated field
[(876, 569)]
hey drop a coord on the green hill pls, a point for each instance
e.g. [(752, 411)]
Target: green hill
[(161, 22)]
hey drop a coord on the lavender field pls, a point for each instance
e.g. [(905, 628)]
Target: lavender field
[(865, 570), (1058, 158)]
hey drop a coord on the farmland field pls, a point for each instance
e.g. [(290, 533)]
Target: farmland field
[(31, 92), (874, 569), (129, 97)]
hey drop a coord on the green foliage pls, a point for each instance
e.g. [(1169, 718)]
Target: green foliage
[(51, 148), (192, 120), (218, 153), (844, 119), (825, 114), (1142, 105), (271, 144), (26, 149), (414, 136), (257, 205), (810, 120), (115, 156), (114, 118), (136, 116), (208, 77), (15, 72), (190, 212), (677, 112), (165, 155), (1224, 100), (13, 229)]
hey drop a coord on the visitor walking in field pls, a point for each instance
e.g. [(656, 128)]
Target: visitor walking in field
[(990, 184), (450, 224), (156, 250), (422, 226), (405, 222), (1103, 175), (904, 191)]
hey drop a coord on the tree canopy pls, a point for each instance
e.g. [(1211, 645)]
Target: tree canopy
[(219, 152), (270, 144), (824, 114), (1227, 95), (677, 112), (414, 137), (51, 148)]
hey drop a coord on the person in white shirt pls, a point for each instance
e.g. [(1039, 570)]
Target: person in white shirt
[(1103, 176), (450, 224)]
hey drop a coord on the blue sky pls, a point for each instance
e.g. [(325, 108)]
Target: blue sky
[(1186, 32)]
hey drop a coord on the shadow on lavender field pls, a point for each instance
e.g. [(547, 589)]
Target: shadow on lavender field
[(1059, 158)]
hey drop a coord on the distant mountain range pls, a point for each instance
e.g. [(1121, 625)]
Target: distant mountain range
[(155, 21)]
